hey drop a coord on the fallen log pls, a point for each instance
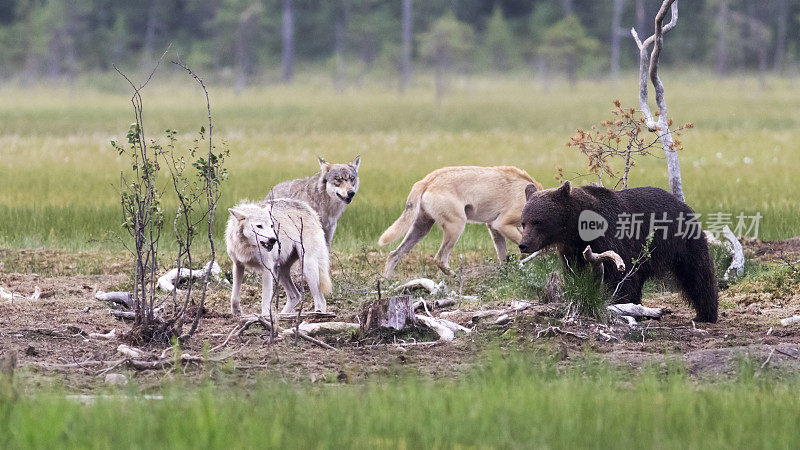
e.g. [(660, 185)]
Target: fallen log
[(124, 299), (735, 248), (172, 278), (422, 283), (312, 315), (444, 332), (790, 320), (327, 328), (634, 310), (103, 336), (441, 303)]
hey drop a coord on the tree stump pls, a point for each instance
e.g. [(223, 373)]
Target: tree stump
[(395, 312)]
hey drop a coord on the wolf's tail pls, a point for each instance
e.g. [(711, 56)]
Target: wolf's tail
[(403, 223), (325, 286)]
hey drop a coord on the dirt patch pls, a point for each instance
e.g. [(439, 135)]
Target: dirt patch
[(52, 330), (771, 250)]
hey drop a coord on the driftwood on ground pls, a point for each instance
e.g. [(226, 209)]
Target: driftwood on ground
[(172, 278), (599, 258)]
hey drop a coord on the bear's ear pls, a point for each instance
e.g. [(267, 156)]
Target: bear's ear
[(565, 189), (529, 191), (239, 215)]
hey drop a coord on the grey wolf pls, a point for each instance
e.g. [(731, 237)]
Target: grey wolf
[(269, 238), (550, 218), (327, 192), (453, 196)]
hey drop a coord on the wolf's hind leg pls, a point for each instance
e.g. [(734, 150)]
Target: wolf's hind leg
[(499, 243), (311, 274), (452, 231), (422, 225), (236, 290), (292, 294)]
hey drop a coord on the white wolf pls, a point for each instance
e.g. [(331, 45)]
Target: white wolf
[(269, 238)]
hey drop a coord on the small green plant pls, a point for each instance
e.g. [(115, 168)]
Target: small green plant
[(523, 281), (197, 192)]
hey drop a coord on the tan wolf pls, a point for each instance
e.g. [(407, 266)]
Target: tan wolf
[(327, 192), (453, 196), (268, 238)]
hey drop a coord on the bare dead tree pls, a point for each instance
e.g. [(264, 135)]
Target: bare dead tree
[(287, 49), (649, 66), (339, 32), (244, 35), (758, 39), (616, 33), (405, 56), (780, 38), (722, 38), (641, 16)]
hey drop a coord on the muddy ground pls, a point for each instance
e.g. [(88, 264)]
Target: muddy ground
[(48, 335)]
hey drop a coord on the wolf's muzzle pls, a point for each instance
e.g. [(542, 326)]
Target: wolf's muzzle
[(269, 244), (349, 197)]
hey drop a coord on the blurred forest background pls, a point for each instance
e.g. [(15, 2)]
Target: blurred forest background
[(261, 41)]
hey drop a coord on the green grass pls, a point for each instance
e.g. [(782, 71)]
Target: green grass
[(513, 401), (58, 172)]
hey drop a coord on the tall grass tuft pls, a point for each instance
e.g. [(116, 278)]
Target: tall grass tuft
[(586, 294)]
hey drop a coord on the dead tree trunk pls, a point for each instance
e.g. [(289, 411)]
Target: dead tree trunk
[(757, 41), (244, 35), (405, 57), (780, 35), (150, 30), (662, 125), (616, 34), (338, 49), (287, 53), (722, 39), (641, 17), (395, 312), (568, 9), (570, 57)]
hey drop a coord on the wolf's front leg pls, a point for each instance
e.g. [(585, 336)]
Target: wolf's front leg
[(329, 229), (236, 290), (266, 292)]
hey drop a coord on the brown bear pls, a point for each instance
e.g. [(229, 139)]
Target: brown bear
[(572, 218)]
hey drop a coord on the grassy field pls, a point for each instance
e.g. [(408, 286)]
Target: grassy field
[(58, 172), (58, 190), (511, 402)]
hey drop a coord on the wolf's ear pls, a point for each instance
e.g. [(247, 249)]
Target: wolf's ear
[(356, 162), (529, 190), (237, 214), (565, 189), (323, 165)]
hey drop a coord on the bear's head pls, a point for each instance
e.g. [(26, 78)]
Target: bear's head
[(544, 217)]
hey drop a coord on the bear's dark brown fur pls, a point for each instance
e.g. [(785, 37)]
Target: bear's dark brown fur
[(550, 218)]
